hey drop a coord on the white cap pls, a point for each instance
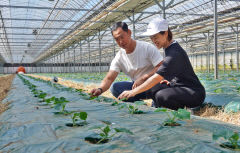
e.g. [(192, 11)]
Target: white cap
[(155, 26)]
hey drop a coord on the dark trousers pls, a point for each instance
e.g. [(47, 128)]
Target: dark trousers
[(176, 97), (118, 87)]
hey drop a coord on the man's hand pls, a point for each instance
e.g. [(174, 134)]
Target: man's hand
[(96, 92), (165, 81), (126, 94), (137, 83)]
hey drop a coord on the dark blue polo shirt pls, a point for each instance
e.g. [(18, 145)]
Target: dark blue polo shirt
[(177, 69)]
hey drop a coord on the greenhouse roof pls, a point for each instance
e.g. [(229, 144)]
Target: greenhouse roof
[(32, 31)]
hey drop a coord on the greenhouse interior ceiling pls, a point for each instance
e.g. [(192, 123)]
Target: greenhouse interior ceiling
[(51, 31)]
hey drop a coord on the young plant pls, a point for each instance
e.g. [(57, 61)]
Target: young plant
[(106, 133), (180, 114), (238, 89), (219, 90), (79, 115), (42, 96), (89, 96), (81, 91), (115, 103), (133, 109), (60, 104), (50, 100), (231, 137)]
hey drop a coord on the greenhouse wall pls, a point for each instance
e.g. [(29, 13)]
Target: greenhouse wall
[(199, 62), (1, 68)]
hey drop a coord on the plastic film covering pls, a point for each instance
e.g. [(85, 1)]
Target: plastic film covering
[(29, 127)]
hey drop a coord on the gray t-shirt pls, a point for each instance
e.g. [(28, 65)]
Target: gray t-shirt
[(141, 61)]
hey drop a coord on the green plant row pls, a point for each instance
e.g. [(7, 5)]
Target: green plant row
[(60, 103), (231, 138)]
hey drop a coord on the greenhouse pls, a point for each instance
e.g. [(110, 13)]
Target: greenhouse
[(135, 76)]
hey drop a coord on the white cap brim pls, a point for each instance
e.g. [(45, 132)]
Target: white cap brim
[(149, 33)]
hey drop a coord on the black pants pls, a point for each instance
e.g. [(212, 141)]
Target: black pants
[(176, 97)]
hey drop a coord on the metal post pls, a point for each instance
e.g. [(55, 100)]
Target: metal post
[(81, 54), (74, 60), (193, 60), (114, 47), (134, 30), (89, 62), (215, 40), (196, 61), (60, 56), (64, 66), (164, 9), (224, 65), (55, 62), (208, 53), (100, 52), (68, 64), (237, 53)]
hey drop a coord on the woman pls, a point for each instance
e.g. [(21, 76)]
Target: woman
[(183, 88)]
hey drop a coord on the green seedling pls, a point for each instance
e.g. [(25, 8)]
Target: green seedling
[(219, 90), (115, 103), (132, 109), (60, 104), (42, 96), (107, 133), (50, 100), (238, 89), (89, 96), (231, 137), (81, 91), (181, 114), (123, 99), (79, 115)]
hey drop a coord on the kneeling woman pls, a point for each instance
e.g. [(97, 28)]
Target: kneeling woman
[(175, 85)]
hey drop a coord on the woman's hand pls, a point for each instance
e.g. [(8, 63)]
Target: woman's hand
[(165, 81), (126, 94)]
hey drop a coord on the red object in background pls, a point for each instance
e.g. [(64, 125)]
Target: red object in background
[(21, 69)]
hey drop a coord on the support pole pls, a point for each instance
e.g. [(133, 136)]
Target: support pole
[(80, 44), (68, 64), (74, 60), (64, 60), (208, 53), (224, 63), (237, 53), (89, 54), (215, 41), (100, 52), (134, 30), (164, 9)]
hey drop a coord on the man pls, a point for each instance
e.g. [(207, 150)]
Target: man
[(137, 59)]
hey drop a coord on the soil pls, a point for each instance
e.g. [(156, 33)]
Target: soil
[(172, 124), (6, 82), (95, 140), (76, 125)]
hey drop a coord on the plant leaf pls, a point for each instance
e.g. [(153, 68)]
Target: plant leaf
[(102, 134), (123, 130), (183, 114), (161, 110), (95, 127), (106, 130), (106, 122), (83, 115), (57, 106)]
